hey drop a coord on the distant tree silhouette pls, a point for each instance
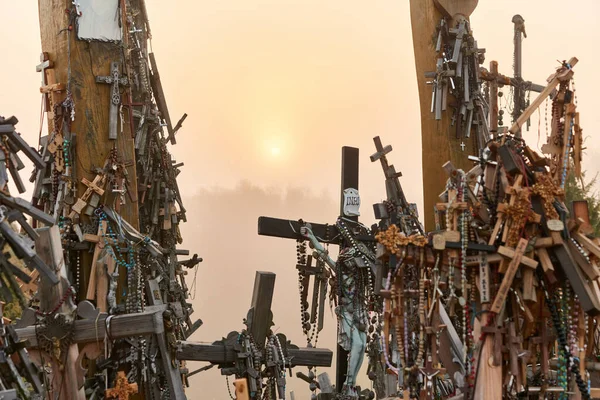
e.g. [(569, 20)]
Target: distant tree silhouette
[(582, 190)]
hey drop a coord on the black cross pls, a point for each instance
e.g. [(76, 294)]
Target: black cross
[(329, 234)]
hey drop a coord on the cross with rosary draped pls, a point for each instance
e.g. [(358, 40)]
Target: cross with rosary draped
[(331, 234)]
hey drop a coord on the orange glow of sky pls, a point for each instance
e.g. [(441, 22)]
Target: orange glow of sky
[(274, 89)]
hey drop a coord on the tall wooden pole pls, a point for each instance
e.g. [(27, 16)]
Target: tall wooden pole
[(75, 66), (92, 100), (439, 143), (87, 60)]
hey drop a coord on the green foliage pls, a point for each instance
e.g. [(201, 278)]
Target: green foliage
[(582, 190)]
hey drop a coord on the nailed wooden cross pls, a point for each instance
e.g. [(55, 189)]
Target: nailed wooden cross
[(115, 80)]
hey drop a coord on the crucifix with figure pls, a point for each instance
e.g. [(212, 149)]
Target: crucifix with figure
[(353, 268), (256, 352), (115, 81)]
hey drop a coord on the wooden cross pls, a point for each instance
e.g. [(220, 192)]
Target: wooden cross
[(90, 330), (498, 336), (96, 186), (429, 373), (115, 80), (451, 208), (517, 259), (122, 389), (325, 233), (562, 75), (516, 351), (46, 63), (50, 88), (98, 249), (544, 340)]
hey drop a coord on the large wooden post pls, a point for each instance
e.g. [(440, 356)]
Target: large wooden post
[(439, 143), (87, 60), (92, 100)]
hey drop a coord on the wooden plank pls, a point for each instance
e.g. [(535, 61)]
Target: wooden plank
[(49, 247), (260, 311), (588, 244), (288, 229), (159, 95), (488, 383), (555, 79), (566, 268), (547, 266), (219, 354), (86, 60), (588, 299), (588, 269)]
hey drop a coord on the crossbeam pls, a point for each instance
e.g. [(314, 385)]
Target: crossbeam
[(219, 354), (120, 326)]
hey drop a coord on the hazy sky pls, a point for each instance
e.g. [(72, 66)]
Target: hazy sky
[(273, 89)]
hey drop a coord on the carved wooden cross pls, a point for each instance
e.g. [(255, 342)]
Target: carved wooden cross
[(122, 389), (115, 80)]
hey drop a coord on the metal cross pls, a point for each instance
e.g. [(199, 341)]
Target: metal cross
[(462, 146), (115, 80)]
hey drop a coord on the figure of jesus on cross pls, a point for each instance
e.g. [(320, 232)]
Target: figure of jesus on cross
[(352, 310)]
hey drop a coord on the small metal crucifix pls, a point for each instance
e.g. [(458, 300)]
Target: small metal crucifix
[(115, 80)]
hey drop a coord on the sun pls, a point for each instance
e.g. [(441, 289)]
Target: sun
[(275, 151)]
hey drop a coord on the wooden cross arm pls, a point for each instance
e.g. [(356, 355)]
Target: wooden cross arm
[(486, 75), (460, 205), (220, 354), (90, 330), (288, 229), (561, 75), (510, 253)]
